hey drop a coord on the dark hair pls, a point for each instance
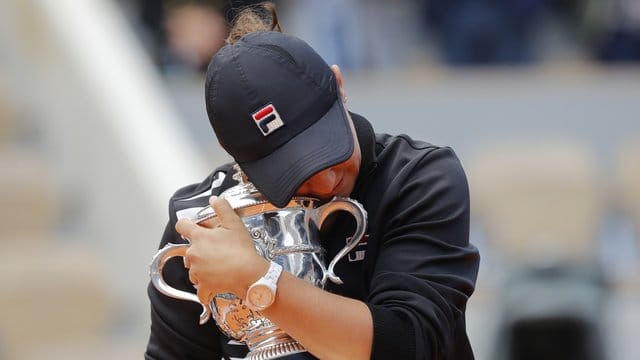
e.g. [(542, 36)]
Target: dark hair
[(260, 17)]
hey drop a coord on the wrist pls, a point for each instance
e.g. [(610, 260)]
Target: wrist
[(255, 267), (262, 293)]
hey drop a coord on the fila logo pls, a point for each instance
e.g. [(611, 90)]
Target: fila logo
[(267, 120), (359, 251)]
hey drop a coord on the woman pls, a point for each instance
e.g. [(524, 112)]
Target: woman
[(279, 110)]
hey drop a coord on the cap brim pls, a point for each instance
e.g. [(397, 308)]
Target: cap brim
[(329, 141)]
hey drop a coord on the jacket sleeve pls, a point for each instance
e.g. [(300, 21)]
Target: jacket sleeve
[(175, 332), (425, 268)]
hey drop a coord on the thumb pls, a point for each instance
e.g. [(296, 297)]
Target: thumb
[(227, 216)]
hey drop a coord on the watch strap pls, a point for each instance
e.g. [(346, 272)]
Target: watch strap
[(273, 274)]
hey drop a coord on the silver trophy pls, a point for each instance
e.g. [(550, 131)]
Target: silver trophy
[(290, 237)]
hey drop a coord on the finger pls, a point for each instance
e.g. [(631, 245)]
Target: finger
[(187, 228), (225, 213), (204, 295), (193, 278), (210, 223), (189, 257)]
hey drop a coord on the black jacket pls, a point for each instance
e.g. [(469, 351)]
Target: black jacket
[(415, 269)]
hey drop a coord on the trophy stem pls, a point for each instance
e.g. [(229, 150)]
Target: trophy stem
[(270, 342)]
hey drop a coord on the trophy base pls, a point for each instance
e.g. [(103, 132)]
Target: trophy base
[(275, 351)]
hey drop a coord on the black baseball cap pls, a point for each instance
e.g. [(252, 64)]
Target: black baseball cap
[(275, 107)]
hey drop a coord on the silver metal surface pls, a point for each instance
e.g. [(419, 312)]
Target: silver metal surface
[(288, 236)]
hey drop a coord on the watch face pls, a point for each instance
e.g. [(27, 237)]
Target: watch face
[(261, 296)]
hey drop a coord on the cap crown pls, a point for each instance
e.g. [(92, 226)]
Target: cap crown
[(266, 68)]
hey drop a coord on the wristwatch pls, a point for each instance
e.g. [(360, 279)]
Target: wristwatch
[(262, 293)]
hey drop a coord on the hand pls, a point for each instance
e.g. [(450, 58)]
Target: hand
[(221, 258)]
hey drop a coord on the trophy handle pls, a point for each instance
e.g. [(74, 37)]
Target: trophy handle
[(359, 213), (155, 271)]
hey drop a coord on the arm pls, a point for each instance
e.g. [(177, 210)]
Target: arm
[(423, 268), (328, 325)]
